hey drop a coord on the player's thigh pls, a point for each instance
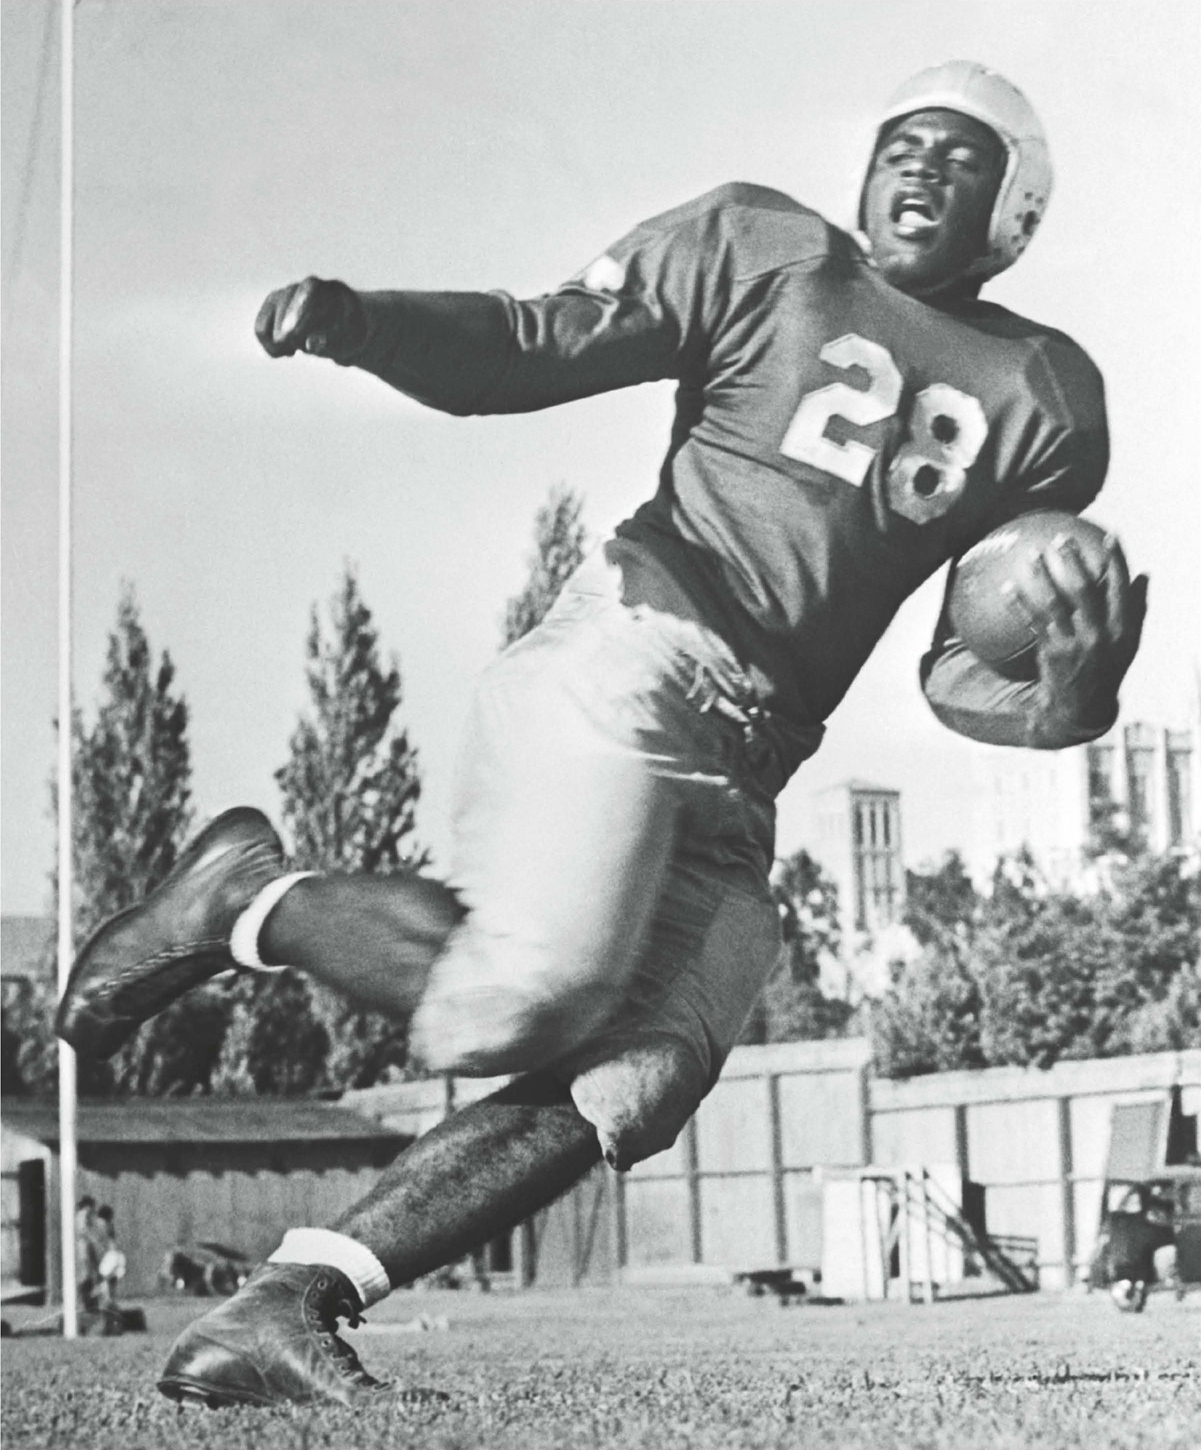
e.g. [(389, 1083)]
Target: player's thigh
[(563, 842), (710, 950)]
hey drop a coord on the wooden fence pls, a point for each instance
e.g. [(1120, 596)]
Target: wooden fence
[(742, 1187)]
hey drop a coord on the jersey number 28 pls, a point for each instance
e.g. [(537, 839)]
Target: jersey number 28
[(947, 429)]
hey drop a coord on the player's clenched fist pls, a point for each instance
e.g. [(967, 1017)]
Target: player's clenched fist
[(313, 316)]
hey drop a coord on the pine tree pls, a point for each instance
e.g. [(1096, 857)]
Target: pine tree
[(350, 789), (131, 811), (560, 543), (351, 785), (131, 777)]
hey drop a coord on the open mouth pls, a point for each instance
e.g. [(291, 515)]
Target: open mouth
[(914, 214)]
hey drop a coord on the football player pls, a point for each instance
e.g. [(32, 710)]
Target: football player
[(850, 417)]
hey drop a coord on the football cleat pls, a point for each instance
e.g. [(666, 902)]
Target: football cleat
[(276, 1343), (142, 959)]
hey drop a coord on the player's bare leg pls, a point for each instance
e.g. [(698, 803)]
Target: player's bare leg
[(478, 1173), (373, 938)]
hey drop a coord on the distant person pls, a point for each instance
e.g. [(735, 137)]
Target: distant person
[(850, 418), (110, 1268), (12, 1083), (87, 1255)]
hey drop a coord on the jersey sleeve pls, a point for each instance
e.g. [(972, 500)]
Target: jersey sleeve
[(1060, 459), (973, 700), (1063, 467), (643, 311)]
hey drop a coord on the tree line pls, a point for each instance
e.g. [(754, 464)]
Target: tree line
[(1028, 974), (1018, 973)]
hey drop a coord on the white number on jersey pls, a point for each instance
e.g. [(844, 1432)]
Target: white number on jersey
[(947, 429), (806, 439)]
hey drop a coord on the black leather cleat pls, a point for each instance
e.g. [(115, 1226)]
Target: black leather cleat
[(142, 959), (274, 1343)]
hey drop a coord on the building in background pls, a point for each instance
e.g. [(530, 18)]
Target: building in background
[(1143, 779), (182, 1172), (860, 845), (1137, 785), (859, 836)]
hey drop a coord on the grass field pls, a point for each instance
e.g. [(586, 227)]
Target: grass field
[(659, 1369)]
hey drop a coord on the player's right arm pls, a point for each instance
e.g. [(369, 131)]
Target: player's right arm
[(645, 310), (477, 352), (486, 352), (446, 349)]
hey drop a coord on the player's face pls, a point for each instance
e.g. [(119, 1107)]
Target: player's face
[(929, 197)]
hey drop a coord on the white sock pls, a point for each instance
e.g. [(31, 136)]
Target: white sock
[(338, 1251), (244, 939)]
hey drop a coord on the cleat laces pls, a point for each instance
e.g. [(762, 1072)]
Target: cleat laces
[(324, 1317)]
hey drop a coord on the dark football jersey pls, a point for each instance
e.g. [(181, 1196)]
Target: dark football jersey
[(835, 441)]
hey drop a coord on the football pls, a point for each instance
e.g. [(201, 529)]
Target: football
[(991, 624)]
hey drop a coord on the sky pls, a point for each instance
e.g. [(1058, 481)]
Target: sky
[(227, 147)]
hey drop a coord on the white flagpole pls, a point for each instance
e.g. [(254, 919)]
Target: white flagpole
[(66, 1056)]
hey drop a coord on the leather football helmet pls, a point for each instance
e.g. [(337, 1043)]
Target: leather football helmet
[(975, 90)]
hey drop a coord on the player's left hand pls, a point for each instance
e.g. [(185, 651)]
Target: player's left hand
[(1087, 627)]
